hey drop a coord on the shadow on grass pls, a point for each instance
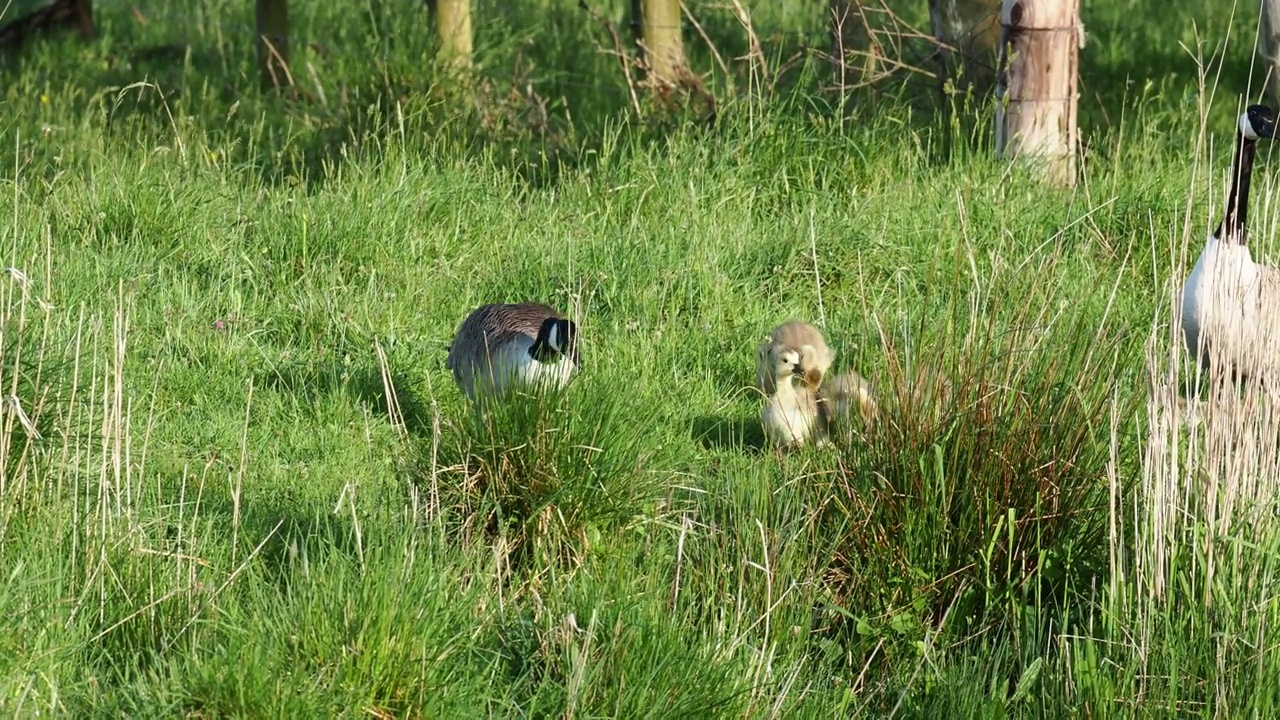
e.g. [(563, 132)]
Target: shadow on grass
[(280, 541), (742, 432), (145, 93), (363, 383)]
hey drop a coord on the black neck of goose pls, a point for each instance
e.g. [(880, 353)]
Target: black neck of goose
[(540, 351), (1232, 227)]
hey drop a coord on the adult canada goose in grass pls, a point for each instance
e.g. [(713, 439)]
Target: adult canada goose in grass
[(790, 366), (501, 344), (1230, 304)]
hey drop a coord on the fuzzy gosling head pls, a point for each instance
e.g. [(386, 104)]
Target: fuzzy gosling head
[(793, 351)]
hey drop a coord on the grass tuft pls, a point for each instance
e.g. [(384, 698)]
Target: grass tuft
[(981, 488), (557, 472)]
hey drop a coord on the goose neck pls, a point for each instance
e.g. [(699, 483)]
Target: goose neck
[(1232, 227)]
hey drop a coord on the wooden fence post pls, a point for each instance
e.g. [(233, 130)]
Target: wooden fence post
[(663, 49), (1269, 45), (1036, 91), (453, 28)]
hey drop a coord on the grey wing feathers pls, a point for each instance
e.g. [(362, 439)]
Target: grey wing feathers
[(487, 328)]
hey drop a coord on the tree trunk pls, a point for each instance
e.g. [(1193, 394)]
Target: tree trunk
[(273, 42), (971, 28), (453, 28), (1269, 46), (1036, 90), (663, 46)]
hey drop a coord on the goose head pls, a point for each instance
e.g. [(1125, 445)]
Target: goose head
[(557, 337), (783, 365), (1257, 122)]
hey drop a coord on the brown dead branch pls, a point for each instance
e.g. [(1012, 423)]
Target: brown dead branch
[(624, 58), (884, 43), (715, 53), (755, 53)]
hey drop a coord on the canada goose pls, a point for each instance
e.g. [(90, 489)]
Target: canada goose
[(792, 335), (791, 364), (796, 411), (526, 342), (1224, 296)]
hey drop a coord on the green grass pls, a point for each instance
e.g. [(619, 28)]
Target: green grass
[(255, 490)]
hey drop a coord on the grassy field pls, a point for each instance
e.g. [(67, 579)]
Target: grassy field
[(250, 488)]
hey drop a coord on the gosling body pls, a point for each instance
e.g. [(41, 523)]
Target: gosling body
[(852, 402)]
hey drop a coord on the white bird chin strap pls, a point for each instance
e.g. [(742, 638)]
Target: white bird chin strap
[(1246, 127)]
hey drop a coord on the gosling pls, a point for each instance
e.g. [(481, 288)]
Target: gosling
[(846, 394), (790, 369)]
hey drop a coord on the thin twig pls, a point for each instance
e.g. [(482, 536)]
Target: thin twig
[(623, 58), (724, 68)]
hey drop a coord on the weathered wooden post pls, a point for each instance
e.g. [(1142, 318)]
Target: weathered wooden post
[(663, 47), (1037, 85), (273, 42), (453, 28)]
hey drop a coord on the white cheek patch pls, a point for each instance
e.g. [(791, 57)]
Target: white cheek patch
[(553, 338), (1246, 127)]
